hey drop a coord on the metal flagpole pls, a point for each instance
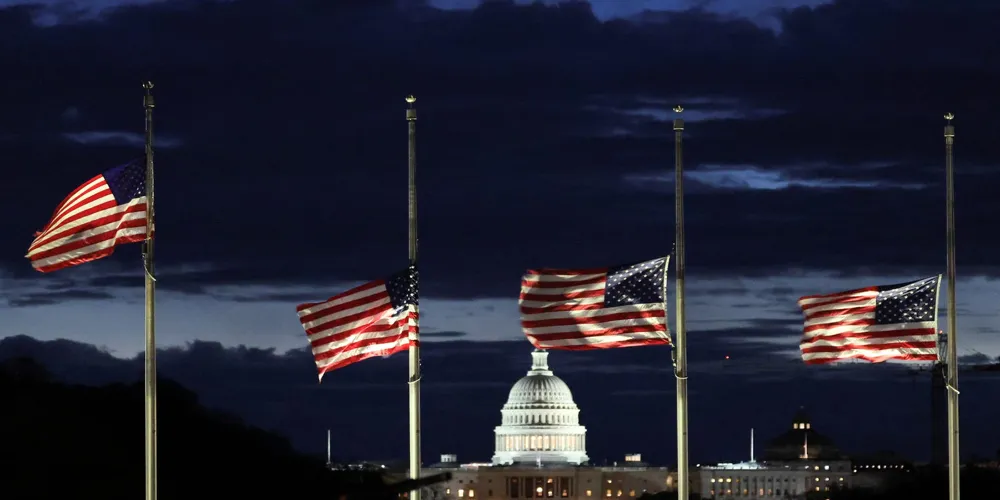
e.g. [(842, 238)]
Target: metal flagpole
[(954, 466), (147, 257), (414, 382), (680, 347)]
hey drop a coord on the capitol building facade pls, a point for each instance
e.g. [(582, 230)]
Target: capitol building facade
[(540, 451), (540, 421)]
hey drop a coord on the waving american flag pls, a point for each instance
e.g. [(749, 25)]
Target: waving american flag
[(877, 323), (577, 309), (104, 212)]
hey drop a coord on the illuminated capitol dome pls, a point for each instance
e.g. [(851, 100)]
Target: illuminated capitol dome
[(541, 423)]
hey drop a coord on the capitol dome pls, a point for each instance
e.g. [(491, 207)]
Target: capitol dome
[(541, 423)]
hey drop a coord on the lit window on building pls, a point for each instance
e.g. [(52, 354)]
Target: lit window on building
[(607, 493), (472, 493), (590, 493), (631, 493), (619, 492), (461, 493)]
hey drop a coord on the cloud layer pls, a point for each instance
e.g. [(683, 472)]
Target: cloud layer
[(465, 384), (544, 134)]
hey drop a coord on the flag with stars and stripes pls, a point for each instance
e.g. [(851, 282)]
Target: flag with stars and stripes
[(577, 309), (878, 323), (104, 212), (378, 318)]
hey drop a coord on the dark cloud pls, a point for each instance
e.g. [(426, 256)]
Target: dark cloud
[(465, 384), (283, 149), (443, 334), (977, 358), (55, 297)]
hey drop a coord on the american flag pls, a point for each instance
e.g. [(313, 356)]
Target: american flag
[(578, 309), (876, 324), (375, 319), (104, 212)]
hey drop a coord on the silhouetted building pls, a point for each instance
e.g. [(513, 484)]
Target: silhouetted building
[(880, 469), (800, 442), (798, 462)]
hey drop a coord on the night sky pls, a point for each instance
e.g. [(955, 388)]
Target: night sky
[(816, 164)]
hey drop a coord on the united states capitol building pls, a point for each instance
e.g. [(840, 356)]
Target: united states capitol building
[(541, 452)]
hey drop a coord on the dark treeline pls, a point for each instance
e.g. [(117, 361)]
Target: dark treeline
[(928, 483), (70, 441)]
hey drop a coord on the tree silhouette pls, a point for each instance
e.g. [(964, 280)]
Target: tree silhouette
[(67, 441)]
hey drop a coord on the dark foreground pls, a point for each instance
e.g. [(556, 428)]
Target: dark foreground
[(64, 441)]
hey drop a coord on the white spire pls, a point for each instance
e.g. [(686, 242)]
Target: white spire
[(751, 446)]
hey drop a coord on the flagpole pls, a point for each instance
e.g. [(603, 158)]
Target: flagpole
[(680, 347), (954, 465), (414, 382), (150, 365)]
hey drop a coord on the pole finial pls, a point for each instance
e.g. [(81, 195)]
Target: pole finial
[(678, 109), (949, 117), (148, 85), (411, 99)]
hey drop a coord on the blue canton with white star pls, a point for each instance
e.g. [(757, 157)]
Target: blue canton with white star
[(128, 181), (634, 284), (402, 288), (912, 302)]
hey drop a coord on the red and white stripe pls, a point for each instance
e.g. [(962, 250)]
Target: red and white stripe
[(356, 325), (87, 226), (842, 326), (564, 309)]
